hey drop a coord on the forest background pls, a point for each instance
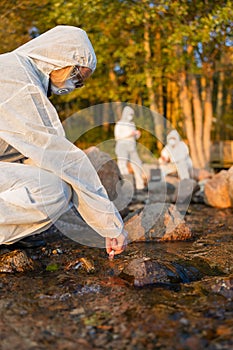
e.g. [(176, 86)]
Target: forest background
[(173, 57)]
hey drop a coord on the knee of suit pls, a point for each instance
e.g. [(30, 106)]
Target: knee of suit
[(53, 195)]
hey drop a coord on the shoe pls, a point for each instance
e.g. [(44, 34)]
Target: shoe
[(139, 192), (142, 190), (27, 243)]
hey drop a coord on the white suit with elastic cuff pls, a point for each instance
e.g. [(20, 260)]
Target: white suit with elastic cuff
[(58, 174)]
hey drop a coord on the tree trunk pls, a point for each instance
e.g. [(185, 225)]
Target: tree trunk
[(172, 103), (169, 102), (159, 89), (158, 126), (149, 81), (198, 121), (175, 104), (219, 105), (208, 112), (188, 121)]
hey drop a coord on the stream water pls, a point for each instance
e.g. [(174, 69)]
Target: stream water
[(63, 304)]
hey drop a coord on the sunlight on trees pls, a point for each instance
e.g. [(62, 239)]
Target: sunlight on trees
[(174, 57)]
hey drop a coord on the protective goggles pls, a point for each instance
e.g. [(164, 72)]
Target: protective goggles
[(76, 77)]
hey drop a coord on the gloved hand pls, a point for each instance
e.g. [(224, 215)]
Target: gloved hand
[(116, 245)]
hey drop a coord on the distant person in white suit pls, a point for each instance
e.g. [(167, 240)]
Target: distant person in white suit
[(175, 157), (126, 134)]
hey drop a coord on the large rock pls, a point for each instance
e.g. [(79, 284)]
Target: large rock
[(161, 191), (201, 174), (159, 222), (172, 190), (185, 191), (119, 191), (216, 191), (230, 184), (107, 170)]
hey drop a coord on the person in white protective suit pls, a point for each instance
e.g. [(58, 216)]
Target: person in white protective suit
[(126, 134), (175, 157), (42, 174)]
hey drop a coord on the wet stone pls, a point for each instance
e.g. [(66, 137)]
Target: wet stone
[(81, 263), (157, 222), (220, 285), (216, 192), (15, 261), (146, 271)]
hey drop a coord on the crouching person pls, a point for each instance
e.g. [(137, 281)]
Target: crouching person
[(42, 174), (175, 157)]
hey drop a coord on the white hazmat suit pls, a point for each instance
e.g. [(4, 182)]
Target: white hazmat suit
[(175, 157), (125, 135), (42, 174)]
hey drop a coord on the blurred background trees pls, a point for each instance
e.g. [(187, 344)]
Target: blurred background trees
[(174, 57)]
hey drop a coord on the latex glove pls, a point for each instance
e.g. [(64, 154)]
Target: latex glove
[(116, 245)]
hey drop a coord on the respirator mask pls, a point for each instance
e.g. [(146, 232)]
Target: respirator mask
[(172, 142), (74, 81)]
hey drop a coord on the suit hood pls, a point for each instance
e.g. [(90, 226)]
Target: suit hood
[(127, 114), (173, 135), (60, 47)]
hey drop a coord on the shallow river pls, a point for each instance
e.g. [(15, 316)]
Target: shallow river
[(62, 304)]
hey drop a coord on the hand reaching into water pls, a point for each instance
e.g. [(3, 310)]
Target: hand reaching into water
[(116, 245)]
